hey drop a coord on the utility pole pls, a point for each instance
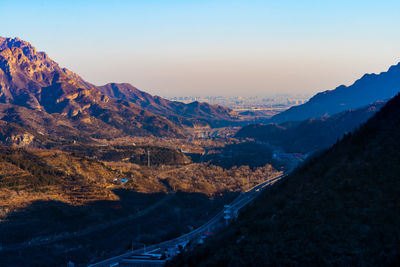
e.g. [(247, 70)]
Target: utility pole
[(148, 157)]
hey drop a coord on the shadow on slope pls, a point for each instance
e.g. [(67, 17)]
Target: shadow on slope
[(100, 229), (312, 134), (341, 208)]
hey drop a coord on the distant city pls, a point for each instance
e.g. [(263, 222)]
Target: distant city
[(268, 105), (248, 102)]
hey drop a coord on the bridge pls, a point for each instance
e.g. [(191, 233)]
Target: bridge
[(147, 256)]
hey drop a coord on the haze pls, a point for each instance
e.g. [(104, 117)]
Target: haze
[(172, 48)]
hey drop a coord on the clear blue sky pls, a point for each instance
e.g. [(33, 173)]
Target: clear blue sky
[(212, 47)]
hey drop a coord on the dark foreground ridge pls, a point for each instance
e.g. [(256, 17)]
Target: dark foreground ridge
[(341, 208)]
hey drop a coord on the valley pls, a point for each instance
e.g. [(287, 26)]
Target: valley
[(107, 196), (90, 172)]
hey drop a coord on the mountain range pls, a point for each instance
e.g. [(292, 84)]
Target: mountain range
[(192, 114), (36, 93), (368, 89)]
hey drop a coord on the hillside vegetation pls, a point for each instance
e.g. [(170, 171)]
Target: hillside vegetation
[(80, 208), (26, 176)]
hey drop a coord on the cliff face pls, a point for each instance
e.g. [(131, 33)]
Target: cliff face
[(25, 71)]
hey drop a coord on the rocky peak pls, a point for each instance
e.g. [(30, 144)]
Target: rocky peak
[(25, 72), (16, 53), (28, 50)]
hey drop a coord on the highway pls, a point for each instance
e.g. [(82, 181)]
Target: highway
[(233, 209)]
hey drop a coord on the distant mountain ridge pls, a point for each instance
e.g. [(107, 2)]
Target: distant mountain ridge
[(366, 90), (188, 114), (312, 134)]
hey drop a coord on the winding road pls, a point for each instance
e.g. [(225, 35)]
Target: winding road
[(233, 209)]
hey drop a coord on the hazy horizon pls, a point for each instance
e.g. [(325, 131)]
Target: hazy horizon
[(212, 48)]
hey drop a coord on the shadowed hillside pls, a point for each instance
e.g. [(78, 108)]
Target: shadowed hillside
[(61, 206), (312, 134), (341, 208)]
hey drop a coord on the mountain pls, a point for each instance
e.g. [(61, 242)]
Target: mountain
[(34, 87), (311, 134), (32, 80), (191, 114), (370, 88), (339, 209)]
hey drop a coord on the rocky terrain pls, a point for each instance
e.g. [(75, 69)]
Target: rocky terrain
[(36, 93)]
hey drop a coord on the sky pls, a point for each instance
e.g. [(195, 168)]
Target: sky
[(206, 47)]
